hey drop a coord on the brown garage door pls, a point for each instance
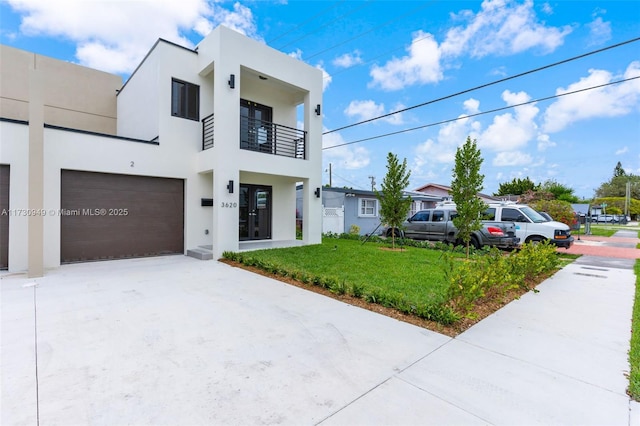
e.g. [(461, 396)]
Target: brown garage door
[(112, 216), (4, 217)]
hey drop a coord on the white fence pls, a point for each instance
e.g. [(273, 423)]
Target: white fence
[(333, 219)]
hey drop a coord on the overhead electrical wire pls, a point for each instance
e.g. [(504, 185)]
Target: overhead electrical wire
[(482, 86), (322, 12), (384, 24), (482, 113), (344, 179), (365, 4)]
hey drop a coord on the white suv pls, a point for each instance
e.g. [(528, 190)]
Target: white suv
[(531, 226)]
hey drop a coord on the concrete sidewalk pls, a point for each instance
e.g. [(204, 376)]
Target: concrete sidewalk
[(173, 340)]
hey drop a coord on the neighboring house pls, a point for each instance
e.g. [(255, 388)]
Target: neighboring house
[(198, 150), (445, 192), (343, 208)]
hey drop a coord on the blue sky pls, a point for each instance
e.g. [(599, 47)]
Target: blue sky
[(383, 56)]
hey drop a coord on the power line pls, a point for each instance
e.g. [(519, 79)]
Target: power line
[(483, 113), (322, 12), (384, 24), (348, 181), (482, 86), (366, 4)]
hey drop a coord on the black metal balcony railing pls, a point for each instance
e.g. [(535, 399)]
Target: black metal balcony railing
[(207, 132), (271, 138), (262, 136)]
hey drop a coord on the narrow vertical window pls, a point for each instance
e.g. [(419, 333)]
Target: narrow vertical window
[(185, 100)]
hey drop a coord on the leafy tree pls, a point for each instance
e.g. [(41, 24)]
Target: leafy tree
[(617, 203), (619, 171), (516, 187), (465, 185), (559, 210), (394, 206), (559, 191), (617, 187), (532, 196)]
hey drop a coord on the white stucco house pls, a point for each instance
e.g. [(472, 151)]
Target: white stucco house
[(198, 152)]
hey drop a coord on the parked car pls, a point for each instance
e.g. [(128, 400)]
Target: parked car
[(530, 225), (606, 218), (436, 225)]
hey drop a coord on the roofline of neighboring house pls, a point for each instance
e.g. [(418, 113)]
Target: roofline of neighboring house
[(448, 189), (149, 53), (154, 141), (412, 194)]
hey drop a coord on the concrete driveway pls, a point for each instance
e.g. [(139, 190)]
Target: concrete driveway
[(174, 340)]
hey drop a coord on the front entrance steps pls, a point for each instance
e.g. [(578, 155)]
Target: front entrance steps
[(202, 252)]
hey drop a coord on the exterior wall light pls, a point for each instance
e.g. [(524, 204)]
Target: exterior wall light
[(232, 81), (317, 192), (318, 109), (230, 187)]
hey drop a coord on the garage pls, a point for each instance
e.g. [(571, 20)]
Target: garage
[(4, 217), (113, 216)]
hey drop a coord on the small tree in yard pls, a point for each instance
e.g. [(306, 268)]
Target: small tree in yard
[(393, 205), (465, 185)]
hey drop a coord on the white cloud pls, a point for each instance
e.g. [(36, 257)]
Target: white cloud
[(115, 35), (365, 110), (326, 77), (546, 8), (610, 101), (297, 54), (420, 66), (433, 154), (622, 151), (511, 158), (472, 106), (347, 156), (599, 31), (544, 142), (348, 60), (511, 131), (502, 27)]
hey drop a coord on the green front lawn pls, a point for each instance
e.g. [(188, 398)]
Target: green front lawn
[(425, 284), (413, 272)]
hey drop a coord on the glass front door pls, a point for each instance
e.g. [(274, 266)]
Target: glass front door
[(256, 128), (255, 212)]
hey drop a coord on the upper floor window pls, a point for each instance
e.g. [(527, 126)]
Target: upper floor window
[(368, 207), (185, 100)]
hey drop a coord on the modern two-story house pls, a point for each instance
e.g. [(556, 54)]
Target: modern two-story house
[(198, 152)]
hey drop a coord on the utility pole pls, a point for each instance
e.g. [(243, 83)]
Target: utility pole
[(373, 182), (330, 178)]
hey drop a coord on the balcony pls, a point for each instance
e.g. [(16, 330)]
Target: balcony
[(262, 136)]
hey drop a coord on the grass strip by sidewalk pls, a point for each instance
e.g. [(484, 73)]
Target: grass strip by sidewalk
[(634, 352)]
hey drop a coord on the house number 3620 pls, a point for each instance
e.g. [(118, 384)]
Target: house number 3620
[(228, 205)]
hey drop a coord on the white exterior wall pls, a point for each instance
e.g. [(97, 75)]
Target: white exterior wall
[(78, 151), (289, 82), (144, 112), (138, 108), (14, 150)]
